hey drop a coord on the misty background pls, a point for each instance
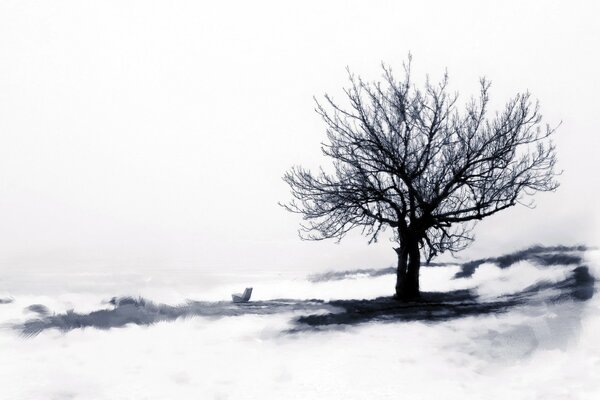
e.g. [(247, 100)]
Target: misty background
[(154, 134)]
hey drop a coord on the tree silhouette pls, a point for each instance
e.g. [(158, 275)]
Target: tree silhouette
[(408, 159)]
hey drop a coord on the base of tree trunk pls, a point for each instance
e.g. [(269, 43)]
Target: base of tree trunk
[(407, 293), (406, 296)]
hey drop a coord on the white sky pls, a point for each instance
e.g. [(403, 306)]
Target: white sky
[(154, 134)]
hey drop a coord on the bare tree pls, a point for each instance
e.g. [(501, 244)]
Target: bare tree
[(408, 159)]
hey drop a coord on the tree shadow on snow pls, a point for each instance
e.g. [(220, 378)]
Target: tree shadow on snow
[(443, 306)]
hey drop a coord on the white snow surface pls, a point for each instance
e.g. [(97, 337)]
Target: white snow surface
[(541, 352)]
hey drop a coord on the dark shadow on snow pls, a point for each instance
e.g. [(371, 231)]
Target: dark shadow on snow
[(440, 306), (128, 310)]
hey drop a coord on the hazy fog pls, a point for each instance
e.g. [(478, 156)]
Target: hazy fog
[(137, 134)]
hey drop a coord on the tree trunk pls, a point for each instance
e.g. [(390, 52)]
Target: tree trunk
[(407, 275)]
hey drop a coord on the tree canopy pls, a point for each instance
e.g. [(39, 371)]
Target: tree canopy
[(416, 161)]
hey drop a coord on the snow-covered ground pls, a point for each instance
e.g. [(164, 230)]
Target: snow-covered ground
[(538, 351)]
